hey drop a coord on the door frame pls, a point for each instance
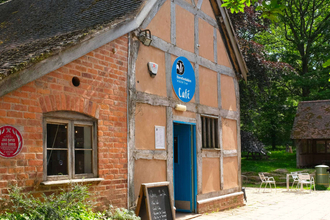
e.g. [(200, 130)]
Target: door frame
[(194, 160)]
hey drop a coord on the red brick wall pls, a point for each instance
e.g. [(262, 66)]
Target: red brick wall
[(221, 204), (101, 94)]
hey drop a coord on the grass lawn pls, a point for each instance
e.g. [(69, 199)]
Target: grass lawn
[(277, 160)]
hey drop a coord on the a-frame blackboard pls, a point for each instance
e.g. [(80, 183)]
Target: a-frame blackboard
[(155, 202)]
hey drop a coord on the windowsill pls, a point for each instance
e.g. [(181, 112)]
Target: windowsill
[(60, 182), (210, 149)]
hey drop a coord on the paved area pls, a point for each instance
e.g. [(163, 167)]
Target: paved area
[(281, 205)]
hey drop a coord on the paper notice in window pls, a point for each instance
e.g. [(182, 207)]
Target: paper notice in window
[(159, 137)]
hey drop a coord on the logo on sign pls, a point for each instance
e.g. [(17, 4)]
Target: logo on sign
[(183, 79), (11, 141), (180, 67)]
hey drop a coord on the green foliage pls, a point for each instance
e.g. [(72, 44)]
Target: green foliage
[(237, 5), (120, 214), (268, 111), (269, 9), (326, 64), (268, 101), (285, 59), (301, 39), (70, 204)]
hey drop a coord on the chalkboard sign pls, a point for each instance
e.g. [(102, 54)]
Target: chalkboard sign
[(155, 202)]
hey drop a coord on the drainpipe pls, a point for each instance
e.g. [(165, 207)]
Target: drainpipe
[(127, 112)]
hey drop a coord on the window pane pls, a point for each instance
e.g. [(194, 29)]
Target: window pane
[(83, 137), (83, 161), (176, 158), (57, 162), (57, 135), (320, 146)]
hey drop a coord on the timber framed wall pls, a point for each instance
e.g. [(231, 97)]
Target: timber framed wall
[(190, 29)]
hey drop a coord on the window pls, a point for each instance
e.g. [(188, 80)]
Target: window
[(304, 146), (210, 137), (320, 146), (69, 146)]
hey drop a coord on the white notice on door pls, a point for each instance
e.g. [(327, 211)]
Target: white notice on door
[(159, 137)]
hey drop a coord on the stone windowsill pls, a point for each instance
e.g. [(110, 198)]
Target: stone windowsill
[(60, 182), (211, 149)]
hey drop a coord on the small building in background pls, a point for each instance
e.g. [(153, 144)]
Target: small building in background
[(119, 93), (311, 133)]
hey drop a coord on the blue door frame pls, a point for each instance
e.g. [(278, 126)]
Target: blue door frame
[(184, 166)]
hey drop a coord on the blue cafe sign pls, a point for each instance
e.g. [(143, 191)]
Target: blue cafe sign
[(183, 79)]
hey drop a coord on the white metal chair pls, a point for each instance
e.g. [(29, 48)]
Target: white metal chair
[(295, 178), (305, 178), (267, 180)]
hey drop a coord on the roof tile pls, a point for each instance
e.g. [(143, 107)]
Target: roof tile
[(31, 30), (312, 120)]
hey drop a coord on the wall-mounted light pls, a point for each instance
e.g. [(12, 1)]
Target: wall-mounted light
[(181, 108), (144, 37)]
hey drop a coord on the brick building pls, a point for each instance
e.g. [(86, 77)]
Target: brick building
[(77, 88)]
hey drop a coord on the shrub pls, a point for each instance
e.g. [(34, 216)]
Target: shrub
[(320, 187), (71, 204), (120, 214)]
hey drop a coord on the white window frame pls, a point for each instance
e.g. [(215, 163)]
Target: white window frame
[(71, 119)]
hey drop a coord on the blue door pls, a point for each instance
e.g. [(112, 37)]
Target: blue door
[(184, 168)]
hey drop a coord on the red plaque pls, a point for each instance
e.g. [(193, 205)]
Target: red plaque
[(11, 141)]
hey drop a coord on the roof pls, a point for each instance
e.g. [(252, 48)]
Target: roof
[(31, 30), (39, 36), (312, 120), (229, 37)]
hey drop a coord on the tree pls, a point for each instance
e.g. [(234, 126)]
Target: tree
[(297, 35), (305, 33), (266, 107), (302, 26)]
